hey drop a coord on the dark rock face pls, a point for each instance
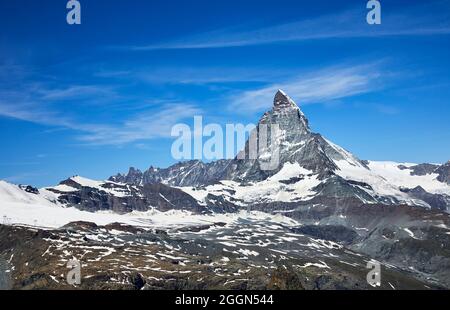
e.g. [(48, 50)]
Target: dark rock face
[(130, 198), (134, 176), (219, 204), (29, 189), (422, 169), (336, 186), (189, 173), (137, 281), (80, 225), (94, 199), (283, 279), (436, 201), (444, 173), (166, 198)]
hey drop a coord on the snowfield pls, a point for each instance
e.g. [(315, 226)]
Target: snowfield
[(386, 178), (20, 207), (391, 172), (272, 189)]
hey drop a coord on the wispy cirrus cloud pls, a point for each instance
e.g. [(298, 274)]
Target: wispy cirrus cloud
[(143, 126), (42, 104), (30, 101), (322, 86), (77, 92), (201, 75), (143, 118), (155, 120), (32, 112), (348, 24)]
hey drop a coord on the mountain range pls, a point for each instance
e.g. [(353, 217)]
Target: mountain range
[(321, 203), (311, 168)]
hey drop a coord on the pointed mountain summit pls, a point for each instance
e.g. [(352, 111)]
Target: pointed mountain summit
[(283, 101), (288, 116), (296, 144)]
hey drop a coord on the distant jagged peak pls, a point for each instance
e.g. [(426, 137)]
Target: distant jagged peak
[(133, 171)]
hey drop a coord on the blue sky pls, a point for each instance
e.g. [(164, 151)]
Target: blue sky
[(96, 98)]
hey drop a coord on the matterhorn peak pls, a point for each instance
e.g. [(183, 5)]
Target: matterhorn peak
[(282, 101)]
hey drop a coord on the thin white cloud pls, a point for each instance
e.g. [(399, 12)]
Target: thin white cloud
[(32, 112), (320, 87), (349, 24), (145, 126), (201, 75), (76, 92), (38, 102)]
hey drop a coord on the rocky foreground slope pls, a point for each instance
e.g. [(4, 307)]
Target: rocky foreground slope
[(246, 255), (312, 223)]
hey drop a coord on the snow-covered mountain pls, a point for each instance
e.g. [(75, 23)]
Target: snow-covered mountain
[(310, 166), (323, 210), (312, 170)]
